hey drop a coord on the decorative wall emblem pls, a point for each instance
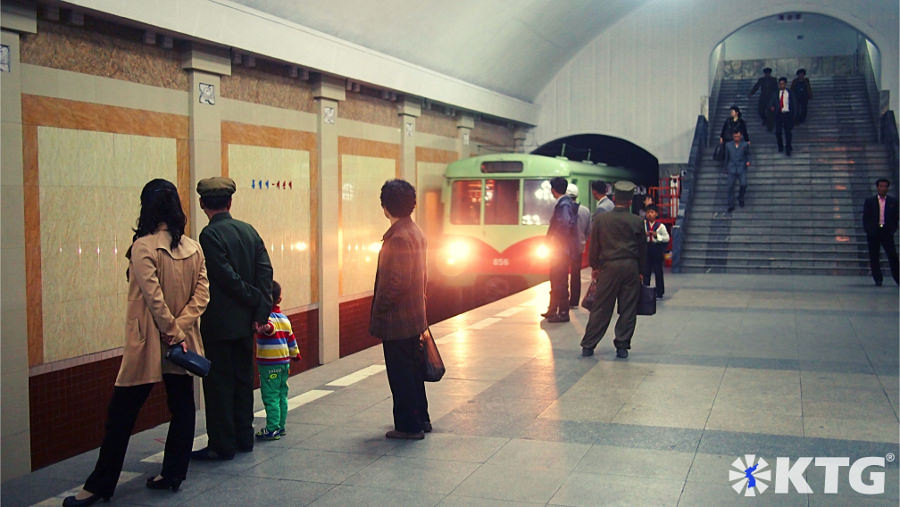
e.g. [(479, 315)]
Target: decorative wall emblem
[(207, 94), (465, 138), (4, 58), (328, 115), (410, 129)]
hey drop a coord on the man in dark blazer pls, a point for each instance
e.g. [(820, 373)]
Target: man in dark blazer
[(562, 238), (766, 86), (880, 217), (398, 310), (783, 103), (240, 288), (737, 160)]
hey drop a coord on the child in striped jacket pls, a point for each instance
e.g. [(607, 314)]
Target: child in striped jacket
[(275, 349)]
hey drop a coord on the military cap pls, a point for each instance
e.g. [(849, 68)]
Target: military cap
[(799, 71), (624, 190), (216, 187), (767, 70)]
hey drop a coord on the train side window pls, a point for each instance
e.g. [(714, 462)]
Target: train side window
[(501, 202), (537, 202), (465, 202)]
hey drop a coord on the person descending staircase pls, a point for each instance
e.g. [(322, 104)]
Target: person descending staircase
[(803, 212)]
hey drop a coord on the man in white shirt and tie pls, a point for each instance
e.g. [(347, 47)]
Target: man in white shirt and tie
[(784, 105)]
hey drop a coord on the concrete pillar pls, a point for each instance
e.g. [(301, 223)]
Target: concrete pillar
[(205, 65), (15, 453), (328, 93), (520, 134), (409, 111), (464, 126)]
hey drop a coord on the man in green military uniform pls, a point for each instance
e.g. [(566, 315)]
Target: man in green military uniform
[(240, 288), (618, 253)]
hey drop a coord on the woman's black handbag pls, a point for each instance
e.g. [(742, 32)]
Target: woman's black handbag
[(190, 361), (719, 153), (593, 293), (647, 302), (434, 365)]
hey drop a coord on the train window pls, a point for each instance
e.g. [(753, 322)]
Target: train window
[(501, 166), (537, 202), (501, 202), (465, 202)]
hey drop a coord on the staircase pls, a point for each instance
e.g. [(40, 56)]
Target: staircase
[(803, 213)]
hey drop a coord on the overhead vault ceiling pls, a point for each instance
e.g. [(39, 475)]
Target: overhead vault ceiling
[(510, 46)]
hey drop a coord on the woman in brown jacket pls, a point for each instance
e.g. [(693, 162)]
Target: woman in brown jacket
[(167, 292)]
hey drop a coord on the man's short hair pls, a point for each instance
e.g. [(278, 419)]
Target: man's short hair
[(398, 197), (599, 187), (215, 202), (651, 208), (782, 78), (559, 184), (879, 180), (276, 291)]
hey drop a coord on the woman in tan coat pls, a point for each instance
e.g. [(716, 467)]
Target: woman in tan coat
[(167, 292)]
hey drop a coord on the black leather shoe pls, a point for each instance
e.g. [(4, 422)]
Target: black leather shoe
[(427, 427), (163, 483), (622, 353), (730, 209), (207, 454), (741, 203), (402, 435), (585, 352), (878, 283), (547, 314), (559, 317), (71, 501)]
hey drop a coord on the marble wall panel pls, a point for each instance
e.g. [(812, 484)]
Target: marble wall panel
[(274, 196), (436, 123), (491, 135), (268, 84), (89, 188), (369, 109), (430, 167), (103, 49), (840, 65), (362, 222)]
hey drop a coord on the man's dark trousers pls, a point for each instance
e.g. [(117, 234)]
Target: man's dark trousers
[(574, 281), (228, 389), (559, 283), (882, 239), (405, 372), (620, 282), (654, 265), (784, 122)]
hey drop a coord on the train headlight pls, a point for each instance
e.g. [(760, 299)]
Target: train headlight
[(458, 252), (542, 251)]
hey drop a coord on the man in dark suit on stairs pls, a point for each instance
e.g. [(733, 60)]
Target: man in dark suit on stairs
[(880, 218)]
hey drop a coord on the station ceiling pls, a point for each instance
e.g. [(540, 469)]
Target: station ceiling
[(514, 47)]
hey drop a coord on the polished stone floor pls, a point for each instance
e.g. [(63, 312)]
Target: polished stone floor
[(731, 365)]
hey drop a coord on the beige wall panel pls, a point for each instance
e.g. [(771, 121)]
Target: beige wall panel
[(425, 140), (90, 185), (268, 116), (362, 220), (280, 215), (368, 131)]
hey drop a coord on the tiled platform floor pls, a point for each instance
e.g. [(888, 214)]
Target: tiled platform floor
[(776, 366)]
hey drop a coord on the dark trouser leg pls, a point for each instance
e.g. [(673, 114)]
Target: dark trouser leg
[(729, 188), (628, 295), (788, 132), (874, 243), (243, 393), (655, 264), (601, 314), (180, 398), (218, 393), (575, 281), (648, 266), (123, 411), (887, 242), (403, 362), (559, 284), (779, 127), (804, 108)]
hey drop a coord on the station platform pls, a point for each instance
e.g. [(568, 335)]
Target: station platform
[(730, 366)]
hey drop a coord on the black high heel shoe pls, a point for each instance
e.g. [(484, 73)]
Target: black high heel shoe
[(163, 483), (71, 501)]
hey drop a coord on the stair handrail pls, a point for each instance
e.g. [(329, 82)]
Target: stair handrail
[(688, 185), (891, 140), (714, 92)]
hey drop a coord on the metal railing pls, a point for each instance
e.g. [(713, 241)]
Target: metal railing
[(688, 186), (889, 137)]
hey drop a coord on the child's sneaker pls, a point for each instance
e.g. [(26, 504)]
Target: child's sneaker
[(265, 434), (282, 432)]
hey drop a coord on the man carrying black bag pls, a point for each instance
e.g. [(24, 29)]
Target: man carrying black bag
[(617, 255)]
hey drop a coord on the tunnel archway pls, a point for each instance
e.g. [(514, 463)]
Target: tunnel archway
[(609, 150)]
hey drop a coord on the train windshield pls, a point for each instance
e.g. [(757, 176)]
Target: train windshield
[(537, 202), (501, 202), (465, 205)]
